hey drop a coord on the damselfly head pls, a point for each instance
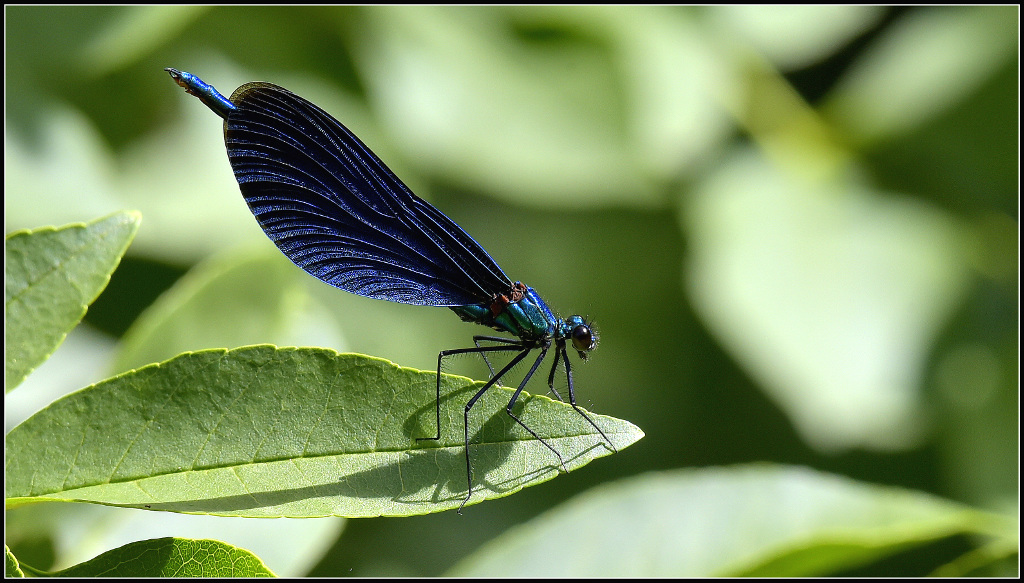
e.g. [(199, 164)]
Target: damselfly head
[(584, 336)]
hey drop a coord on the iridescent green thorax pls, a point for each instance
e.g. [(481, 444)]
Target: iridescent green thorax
[(521, 312)]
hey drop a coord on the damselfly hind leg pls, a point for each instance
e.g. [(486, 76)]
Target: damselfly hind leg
[(510, 346), (469, 405)]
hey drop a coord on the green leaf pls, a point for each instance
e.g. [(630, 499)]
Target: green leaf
[(52, 276), (171, 557), (12, 568), (263, 431), (828, 293), (756, 520), (916, 69), (560, 116)]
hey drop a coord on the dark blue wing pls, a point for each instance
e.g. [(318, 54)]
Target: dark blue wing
[(333, 208)]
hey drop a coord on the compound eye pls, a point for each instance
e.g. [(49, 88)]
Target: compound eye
[(583, 338)]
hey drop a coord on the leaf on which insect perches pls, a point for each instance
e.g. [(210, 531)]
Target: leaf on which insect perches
[(262, 431)]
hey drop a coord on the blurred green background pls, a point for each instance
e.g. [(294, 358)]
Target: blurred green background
[(796, 229)]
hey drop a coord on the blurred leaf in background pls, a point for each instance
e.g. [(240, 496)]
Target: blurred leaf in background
[(796, 227)]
